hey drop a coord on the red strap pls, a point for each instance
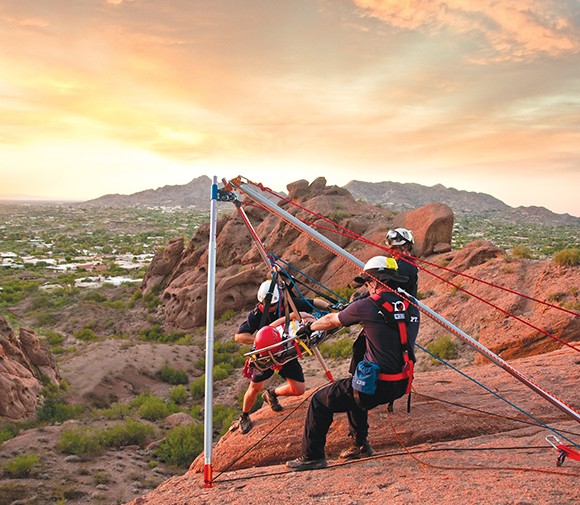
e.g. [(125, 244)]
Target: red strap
[(392, 377), (409, 366), (571, 453)]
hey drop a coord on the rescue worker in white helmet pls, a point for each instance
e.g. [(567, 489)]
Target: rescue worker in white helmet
[(291, 371)]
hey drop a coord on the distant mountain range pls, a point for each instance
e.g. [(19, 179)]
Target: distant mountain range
[(393, 195)]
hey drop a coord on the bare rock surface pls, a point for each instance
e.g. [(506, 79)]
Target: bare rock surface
[(459, 444)]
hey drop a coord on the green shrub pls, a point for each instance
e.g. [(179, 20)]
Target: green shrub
[(153, 409), (6, 434), (95, 296), (21, 466), (139, 400), (115, 411), (80, 441), (58, 412), (567, 257), (172, 375), (444, 347), (522, 252), (53, 338), (225, 352), (88, 441), (178, 394), (131, 432), (155, 334), (101, 477), (196, 412), (54, 409), (338, 350), (197, 388), (223, 416), (226, 316), (222, 371), (150, 300), (181, 445), (85, 334), (14, 291)]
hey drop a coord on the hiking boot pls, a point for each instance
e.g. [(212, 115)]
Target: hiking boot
[(245, 423), (302, 463), (271, 399), (357, 451)]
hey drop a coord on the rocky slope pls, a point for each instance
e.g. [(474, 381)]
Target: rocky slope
[(459, 444), (455, 436)]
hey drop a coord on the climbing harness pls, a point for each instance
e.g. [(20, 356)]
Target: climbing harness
[(396, 313)]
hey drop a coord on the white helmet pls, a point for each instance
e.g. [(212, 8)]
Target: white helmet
[(381, 268), (400, 236), (263, 291)]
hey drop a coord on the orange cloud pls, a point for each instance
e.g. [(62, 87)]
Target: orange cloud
[(513, 29)]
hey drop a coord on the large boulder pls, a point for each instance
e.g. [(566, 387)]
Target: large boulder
[(432, 226), (25, 364)]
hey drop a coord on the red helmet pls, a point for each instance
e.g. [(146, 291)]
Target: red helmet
[(267, 336)]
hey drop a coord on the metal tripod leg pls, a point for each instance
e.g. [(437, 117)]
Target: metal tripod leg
[(322, 363)]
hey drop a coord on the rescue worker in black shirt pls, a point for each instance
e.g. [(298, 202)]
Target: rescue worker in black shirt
[(384, 348), (291, 371), (401, 241)]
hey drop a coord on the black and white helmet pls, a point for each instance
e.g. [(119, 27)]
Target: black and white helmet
[(400, 236)]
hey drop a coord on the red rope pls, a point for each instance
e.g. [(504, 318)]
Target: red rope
[(348, 233), (407, 257)]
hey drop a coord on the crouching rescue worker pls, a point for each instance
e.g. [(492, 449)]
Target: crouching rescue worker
[(270, 298), (388, 356)]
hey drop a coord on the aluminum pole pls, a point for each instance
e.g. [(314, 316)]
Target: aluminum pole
[(209, 337), (321, 239)]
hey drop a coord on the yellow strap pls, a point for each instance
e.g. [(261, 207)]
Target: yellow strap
[(303, 345)]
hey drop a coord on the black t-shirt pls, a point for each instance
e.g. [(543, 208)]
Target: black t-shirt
[(383, 342), (252, 322), (408, 268)]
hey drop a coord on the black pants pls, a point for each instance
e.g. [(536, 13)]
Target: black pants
[(339, 397)]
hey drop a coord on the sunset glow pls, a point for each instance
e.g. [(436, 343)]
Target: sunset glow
[(118, 96)]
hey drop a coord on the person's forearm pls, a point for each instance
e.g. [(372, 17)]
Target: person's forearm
[(327, 322)]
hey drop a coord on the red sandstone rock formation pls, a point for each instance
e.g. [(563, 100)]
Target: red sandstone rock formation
[(181, 273), (24, 363)]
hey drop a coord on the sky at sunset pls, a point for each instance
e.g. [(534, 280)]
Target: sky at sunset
[(119, 96)]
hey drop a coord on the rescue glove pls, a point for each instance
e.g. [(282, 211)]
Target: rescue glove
[(305, 330)]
